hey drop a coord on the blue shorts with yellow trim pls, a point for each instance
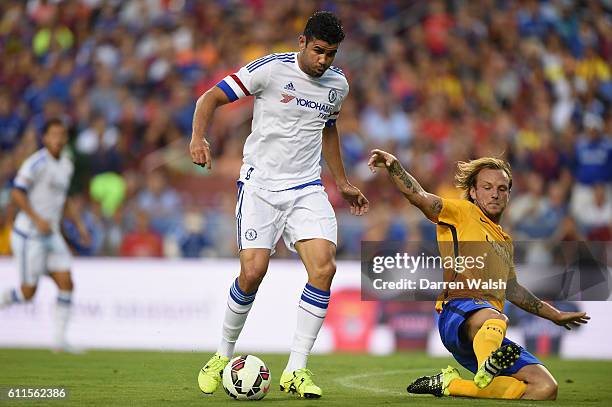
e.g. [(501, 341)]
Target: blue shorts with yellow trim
[(453, 315)]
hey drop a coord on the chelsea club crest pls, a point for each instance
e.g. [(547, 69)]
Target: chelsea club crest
[(333, 95), (250, 234)]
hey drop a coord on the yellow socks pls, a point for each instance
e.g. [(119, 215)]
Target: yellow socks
[(488, 338), (502, 387)]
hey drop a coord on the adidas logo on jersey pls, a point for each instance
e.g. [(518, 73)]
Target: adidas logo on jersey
[(289, 86)]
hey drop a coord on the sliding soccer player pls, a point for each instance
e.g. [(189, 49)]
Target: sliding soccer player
[(472, 325)]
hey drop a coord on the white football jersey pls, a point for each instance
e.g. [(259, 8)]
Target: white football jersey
[(45, 181), (291, 109)]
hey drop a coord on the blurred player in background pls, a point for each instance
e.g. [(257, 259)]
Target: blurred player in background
[(297, 101), (40, 190), (471, 324)]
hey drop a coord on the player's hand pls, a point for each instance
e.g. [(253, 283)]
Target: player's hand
[(570, 320), (380, 159), (43, 226), (200, 152), (352, 194)]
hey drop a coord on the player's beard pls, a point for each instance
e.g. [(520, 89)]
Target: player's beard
[(309, 70), (494, 217)]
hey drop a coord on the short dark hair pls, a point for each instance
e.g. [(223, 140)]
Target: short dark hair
[(52, 122), (325, 26)]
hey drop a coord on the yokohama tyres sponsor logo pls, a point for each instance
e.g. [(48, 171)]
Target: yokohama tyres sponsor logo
[(311, 104)]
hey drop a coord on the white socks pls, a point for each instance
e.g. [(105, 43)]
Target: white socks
[(239, 304), (10, 297), (62, 315), (311, 313)]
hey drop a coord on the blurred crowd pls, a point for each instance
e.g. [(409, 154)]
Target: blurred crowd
[(434, 82)]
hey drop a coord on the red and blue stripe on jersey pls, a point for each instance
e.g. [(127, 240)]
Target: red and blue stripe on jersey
[(230, 91)]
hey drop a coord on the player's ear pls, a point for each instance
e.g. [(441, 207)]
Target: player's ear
[(302, 42), (473, 193)]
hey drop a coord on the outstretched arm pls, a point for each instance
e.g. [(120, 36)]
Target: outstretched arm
[(331, 154), (429, 204), (205, 107), (525, 299)]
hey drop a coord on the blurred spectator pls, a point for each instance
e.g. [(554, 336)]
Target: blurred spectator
[(98, 144), (11, 123), (141, 241), (104, 96), (593, 162), (161, 202), (384, 122), (535, 215), (383, 224), (595, 218), (91, 223), (193, 239)]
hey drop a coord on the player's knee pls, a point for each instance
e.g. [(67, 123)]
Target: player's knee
[(325, 272), (501, 316), (250, 278), (487, 313), (478, 318), (329, 270)]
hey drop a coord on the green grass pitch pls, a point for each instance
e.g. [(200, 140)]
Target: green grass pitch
[(107, 378)]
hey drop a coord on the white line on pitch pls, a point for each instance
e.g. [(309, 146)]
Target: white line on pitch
[(349, 381)]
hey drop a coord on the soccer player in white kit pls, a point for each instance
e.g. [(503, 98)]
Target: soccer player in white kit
[(40, 190), (297, 100)]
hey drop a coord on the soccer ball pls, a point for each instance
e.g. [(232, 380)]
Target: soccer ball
[(246, 377)]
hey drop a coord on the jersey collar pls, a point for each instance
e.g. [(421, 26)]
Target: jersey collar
[(486, 219)]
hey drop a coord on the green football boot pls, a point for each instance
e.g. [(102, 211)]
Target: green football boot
[(211, 374), (300, 382)]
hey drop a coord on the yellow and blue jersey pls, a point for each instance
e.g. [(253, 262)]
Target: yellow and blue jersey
[(465, 232)]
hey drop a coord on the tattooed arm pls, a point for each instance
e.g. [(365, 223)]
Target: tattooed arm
[(429, 204), (525, 299)]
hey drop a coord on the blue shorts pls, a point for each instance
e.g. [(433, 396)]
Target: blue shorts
[(453, 314)]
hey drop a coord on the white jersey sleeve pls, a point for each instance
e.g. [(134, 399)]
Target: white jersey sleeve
[(30, 171), (251, 79)]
